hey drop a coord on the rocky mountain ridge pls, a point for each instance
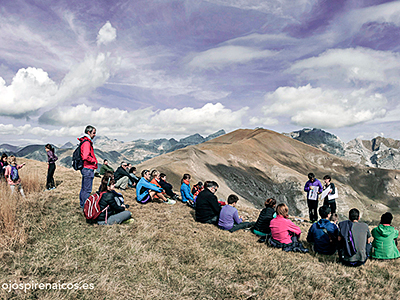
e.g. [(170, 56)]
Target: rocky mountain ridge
[(113, 150), (378, 152), (259, 164)]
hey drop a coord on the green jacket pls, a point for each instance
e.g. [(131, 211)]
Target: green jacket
[(105, 168), (383, 246)]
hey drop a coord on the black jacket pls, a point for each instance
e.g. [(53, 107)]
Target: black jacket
[(265, 217), (207, 206), (109, 199), (332, 187), (119, 173)]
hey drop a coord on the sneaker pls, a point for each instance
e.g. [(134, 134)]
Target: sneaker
[(169, 201), (129, 221)]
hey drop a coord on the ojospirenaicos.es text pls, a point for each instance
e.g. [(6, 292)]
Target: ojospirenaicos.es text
[(29, 286)]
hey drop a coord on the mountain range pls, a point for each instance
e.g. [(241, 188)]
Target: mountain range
[(259, 164), (378, 152), (111, 149)]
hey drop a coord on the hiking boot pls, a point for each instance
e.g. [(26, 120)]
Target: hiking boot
[(169, 201), (262, 239), (302, 249)]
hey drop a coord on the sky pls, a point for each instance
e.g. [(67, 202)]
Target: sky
[(147, 69)]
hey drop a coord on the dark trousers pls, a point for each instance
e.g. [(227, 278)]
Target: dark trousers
[(50, 176), (87, 182), (213, 221), (312, 209), (242, 225), (332, 206)]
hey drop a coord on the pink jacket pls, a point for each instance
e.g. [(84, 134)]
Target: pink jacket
[(7, 174), (87, 154), (281, 229)]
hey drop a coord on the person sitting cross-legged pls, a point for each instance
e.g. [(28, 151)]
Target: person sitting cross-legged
[(323, 234), (384, 245), (284, 233), (261, 228), (355, 240), (229, 217)]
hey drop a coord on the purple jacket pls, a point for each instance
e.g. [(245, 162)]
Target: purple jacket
[(315, 183), (51, 157), (228, 217)]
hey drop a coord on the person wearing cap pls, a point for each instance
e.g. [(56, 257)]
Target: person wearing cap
[(385, 237), (121, 176)]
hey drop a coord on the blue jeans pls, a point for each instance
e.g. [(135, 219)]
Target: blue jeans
[(87, 182)]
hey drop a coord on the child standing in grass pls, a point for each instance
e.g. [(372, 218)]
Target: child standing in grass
[(11, 173), (51, 161), (3, 165)]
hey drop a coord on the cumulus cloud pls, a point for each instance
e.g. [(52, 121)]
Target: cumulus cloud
[(32, 89), (9, 129), (315, 107), (227, 55), (119, 122), (352, 65), (106, 34)]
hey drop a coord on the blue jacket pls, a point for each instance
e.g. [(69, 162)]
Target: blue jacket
[(185, 192), (143, 187), (322, 241)]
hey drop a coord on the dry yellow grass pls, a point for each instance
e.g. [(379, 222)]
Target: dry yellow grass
[(165, 254)]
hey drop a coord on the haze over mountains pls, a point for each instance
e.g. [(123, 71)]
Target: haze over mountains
[(112, 149)]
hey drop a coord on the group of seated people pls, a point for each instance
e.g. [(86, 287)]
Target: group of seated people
[(351, 239)]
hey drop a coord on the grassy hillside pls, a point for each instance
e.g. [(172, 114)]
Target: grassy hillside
[(164, 254)]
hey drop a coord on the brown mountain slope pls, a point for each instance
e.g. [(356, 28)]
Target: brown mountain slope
[(257, 164)]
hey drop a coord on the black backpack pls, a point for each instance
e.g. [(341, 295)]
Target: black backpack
[(77, 161)]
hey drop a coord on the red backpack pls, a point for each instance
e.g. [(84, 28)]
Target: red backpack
[(91, 209)]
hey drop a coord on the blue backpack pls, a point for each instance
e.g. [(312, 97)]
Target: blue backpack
[(14, 176)]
